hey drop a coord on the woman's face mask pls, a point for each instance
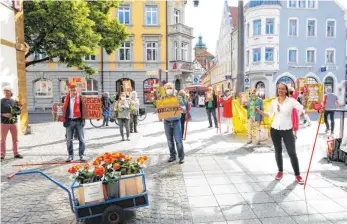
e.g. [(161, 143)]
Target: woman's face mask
[(169, 92)]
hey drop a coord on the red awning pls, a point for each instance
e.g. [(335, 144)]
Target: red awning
[(196, 88)]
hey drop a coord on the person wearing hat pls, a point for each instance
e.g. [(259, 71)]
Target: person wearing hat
[(8, 124), (211, 105), (73, 121), (254, 102)]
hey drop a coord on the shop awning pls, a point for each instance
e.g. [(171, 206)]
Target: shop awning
[(196, 88)]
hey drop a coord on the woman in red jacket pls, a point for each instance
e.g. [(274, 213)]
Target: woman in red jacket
[(226, 100)]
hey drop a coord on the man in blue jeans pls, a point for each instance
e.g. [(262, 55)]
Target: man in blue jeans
[(173, 131), (331, 103)]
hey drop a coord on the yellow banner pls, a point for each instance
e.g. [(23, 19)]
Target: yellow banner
[(168, 107), (314, 94), (240, 121)]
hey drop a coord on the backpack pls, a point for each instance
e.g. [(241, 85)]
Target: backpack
[(337, 154)]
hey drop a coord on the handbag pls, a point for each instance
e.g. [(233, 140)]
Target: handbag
[(263, 133)]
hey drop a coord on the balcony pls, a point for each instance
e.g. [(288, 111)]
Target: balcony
[(255, 67), (180, 28)]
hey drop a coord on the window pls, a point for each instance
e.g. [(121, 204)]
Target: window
[(269, 54), (149, 86), (329, 83), (293, 56), (247, 58), (310, 56), (302, 3), (43, 87), (311, 4), (151, 15), (256, 27), (292, 3), (177, 16), (287, 80), (184, 51), (248, 30), (151, 51), (124, 15), (176, 50), (330, 56), (311, 28), (90, 58), (293, 27), (92, 86), (256, 55), (125, 51), (331, 26), (63, 87), (270, 26), (311, 80)]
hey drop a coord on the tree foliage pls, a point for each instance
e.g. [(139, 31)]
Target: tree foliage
[(70, 30)]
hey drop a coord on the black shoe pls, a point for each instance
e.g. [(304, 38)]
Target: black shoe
[(69, 159), (210, 126), (171, 159), (181, 161), (305, 121), (18, 156), (135, 131), (107, 125), (123, 139), (2, 158), (131, 131), (128, 139), (82, 158)]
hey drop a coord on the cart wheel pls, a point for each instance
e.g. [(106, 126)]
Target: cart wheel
[(113, 215)]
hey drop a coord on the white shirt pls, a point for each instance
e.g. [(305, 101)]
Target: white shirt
[(72, 103), (283, 118)]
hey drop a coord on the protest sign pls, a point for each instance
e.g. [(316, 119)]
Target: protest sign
[(300, 84), (243, 98), (92, 107), (168, 107), (314, 95), (80, 82), (127, 86), (57, 112)]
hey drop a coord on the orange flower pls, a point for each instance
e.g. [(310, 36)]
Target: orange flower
[(145, 157), (128, 158), (116, 166), (100, 158), (99, 171), (96, 162), (72, 170), (107, 155), (107, 160), (86, 166), (78, 167), (122, 156), (113, 158), (142, 161)]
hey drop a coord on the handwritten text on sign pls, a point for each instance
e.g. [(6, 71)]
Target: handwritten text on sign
[(80, 82), (92, 107), (168, 107)]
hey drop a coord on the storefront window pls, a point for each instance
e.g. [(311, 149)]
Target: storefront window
[(149, 86), (329, 82), (311, 80), (119, 85), (43, 87)]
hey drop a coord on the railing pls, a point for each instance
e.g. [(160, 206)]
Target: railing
[(180, 28)]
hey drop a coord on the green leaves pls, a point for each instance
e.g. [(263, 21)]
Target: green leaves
[(69, 30)]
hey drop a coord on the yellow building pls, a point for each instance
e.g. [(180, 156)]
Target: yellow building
[(158, 41)]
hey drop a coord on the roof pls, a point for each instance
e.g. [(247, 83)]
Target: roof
[(234, 11), (255, 3), (200, 44)]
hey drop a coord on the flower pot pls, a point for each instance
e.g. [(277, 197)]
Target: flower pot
[(112, 189), (130, 186), (90, 193)]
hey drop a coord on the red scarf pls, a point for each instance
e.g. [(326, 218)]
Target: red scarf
[(76, 106)]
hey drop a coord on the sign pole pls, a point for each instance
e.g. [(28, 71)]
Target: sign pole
[(187, 118)]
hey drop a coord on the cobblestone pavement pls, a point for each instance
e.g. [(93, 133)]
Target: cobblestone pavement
[(222, 179)]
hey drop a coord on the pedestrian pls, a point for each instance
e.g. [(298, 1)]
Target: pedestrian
[(173, 130), (226, 100), (74, 134), (122, 106), (134, 111), (9, 123), (301, 100), (73, 121), (253, 103), (281, 128), (211, 105), (295, 115), (182, 97), (106, 108), (331, 103)]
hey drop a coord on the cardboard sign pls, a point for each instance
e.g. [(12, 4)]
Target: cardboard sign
[(90, 193), (169, 107), (243, 98), (80, 82), (57, 112), (127, 86), (92, 107), (314, 95)]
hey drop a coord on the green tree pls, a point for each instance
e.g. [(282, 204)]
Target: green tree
[(69, 30)]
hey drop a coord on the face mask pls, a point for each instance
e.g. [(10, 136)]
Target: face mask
[(122, 97), (169, 92)]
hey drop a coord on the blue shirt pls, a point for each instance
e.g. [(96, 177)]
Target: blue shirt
[(331, 101)]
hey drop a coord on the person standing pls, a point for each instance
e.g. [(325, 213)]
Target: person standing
[(253, 117), (211, 105), (226, 100), (281, 128), (122, 106), (106, 108), (184, 106), (173, 130), (9, 123), (73, 121), (134, 111), (295, 115), (331, 103)]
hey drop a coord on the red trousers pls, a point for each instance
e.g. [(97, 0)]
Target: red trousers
[(14, 133)]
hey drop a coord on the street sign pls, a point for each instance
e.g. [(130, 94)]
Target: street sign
[(196, 80), (246, 81), (228, 77)]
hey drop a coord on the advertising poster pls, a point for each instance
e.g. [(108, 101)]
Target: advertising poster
[(243, 98), (300, 84), (79, 81), (57, 112), (314, 95), (92, 107), (167, 108), (127, 86)]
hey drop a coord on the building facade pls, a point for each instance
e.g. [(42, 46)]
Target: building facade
[(143, 58), (286, 40)]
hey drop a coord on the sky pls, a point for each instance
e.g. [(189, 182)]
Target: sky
[(206, 19)]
